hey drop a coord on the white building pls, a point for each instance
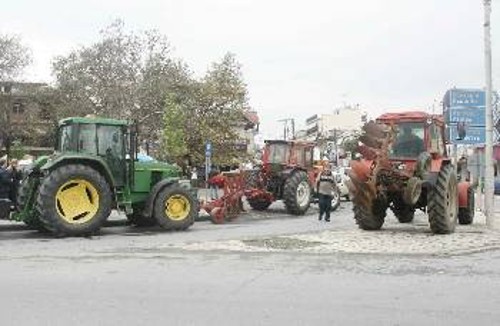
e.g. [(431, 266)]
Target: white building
[(330, 129), (344, 120)]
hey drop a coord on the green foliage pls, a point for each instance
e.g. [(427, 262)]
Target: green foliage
[(212, 109), (132, 75), (17, 150), (351, 144), (14, 57), (174, 139)]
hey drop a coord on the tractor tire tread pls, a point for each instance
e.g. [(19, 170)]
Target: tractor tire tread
[(46, 197), (437, 210), (290, 193)]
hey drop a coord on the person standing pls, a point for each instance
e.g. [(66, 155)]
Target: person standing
[(325, 187), (214, 180), (16, 178), (5, 179)]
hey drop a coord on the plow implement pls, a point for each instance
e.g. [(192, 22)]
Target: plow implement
[(230, 205)]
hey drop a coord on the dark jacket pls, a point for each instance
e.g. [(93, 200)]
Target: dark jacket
[(5, 183)]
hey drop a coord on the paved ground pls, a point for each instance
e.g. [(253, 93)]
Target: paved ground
[(262, 269)]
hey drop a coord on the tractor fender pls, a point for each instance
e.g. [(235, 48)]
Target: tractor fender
[(94, 162), (463, 188), (159, 186)]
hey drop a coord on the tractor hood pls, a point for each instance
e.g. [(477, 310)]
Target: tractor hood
[(170, 169)]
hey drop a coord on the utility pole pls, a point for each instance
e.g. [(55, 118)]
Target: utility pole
[(488, 151)]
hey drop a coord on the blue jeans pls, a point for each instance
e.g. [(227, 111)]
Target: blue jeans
[(325, 205)]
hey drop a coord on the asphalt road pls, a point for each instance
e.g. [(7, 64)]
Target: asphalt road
[(141, 277)]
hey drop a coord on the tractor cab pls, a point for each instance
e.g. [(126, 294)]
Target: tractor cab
[(106, 140), (415, 133), (281, 154)]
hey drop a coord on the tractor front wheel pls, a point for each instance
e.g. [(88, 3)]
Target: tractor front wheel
[(370, 220), (297, 193), (175, 208), (443, 202), (403, 212), (74, 200)]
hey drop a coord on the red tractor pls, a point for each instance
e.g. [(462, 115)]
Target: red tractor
[(405, 167), (287, 174)]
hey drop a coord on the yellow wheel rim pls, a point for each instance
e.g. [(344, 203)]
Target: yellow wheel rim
[(177, 207), (77, 201)]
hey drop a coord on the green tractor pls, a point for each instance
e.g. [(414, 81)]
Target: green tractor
[(93, 170)]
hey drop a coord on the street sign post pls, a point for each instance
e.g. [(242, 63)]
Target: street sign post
[(208, 164)]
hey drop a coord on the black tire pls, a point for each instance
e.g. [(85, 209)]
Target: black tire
[(466, 214), (443, 202), (33, 221), (297, 193), (368, 220), (259, 204), (51, 210), (403, 212), (167, 220), (137, 219)]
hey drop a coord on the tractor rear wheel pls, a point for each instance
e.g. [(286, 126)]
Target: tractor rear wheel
[(33, 221), (297, 193), (370, 220), (443, 202), (74, 200), (466, 214), (175, 208), (259, 204)]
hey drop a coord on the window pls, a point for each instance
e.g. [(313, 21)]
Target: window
[(65, 139), (86, 139), (409, 141), (110, 140), (278, 153)]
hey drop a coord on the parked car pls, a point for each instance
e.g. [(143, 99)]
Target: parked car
[(341, 176)]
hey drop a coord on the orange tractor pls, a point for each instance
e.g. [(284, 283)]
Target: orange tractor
[(288, 173), (405, 167)]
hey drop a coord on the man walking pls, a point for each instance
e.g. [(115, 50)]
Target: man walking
[(325, 188)]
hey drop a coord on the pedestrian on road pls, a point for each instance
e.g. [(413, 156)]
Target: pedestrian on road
[(325, 187)]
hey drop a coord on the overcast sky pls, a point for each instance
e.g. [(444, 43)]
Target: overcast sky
[(299, 57)]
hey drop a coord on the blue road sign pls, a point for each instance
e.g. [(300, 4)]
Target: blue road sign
[(474, 135), (470, 116), (208, 149), (467, 98), (466, 106)]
